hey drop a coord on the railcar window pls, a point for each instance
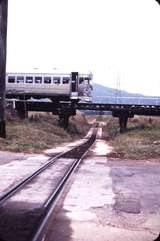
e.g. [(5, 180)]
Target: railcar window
[(56, 80), (20, 79), (29, 79), (65, 80), (11, 79), (81, 80), (47, 80), (38, 80)]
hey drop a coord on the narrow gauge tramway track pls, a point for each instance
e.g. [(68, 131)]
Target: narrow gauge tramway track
[(29, 204)]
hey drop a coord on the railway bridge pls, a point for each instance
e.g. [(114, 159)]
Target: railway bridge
[(64, 110)]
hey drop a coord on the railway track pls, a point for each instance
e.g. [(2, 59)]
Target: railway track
[(26, 208)]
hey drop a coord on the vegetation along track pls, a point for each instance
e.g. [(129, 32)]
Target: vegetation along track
[(25, 209)]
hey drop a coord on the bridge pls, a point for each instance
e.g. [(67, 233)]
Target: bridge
[(121, 110)]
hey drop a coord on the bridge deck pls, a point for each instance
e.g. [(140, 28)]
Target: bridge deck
[(131, 108), (52, 107)]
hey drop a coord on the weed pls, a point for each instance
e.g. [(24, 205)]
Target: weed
[(141, 141), (39, 132)]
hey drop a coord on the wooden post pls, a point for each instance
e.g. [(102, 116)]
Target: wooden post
[(158, 1), (3, 47)]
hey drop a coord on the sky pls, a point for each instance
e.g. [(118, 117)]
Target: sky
[(117, 40)]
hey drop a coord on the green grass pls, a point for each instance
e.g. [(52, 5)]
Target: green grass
[(41, 131), (141, 141)]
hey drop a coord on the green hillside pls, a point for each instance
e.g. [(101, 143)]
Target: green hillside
[(103, 94)]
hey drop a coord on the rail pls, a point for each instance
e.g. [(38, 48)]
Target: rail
[(49, 204)]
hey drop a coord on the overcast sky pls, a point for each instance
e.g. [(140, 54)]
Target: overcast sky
[(118, 40)]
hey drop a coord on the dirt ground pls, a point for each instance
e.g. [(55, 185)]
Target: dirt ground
[(108, 200)]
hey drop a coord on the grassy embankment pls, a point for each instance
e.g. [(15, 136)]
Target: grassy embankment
[(142, 141), (40, 131)]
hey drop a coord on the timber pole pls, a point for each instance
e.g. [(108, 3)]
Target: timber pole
[(3, 51)]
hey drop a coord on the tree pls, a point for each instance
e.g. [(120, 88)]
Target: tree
[(3, 47)]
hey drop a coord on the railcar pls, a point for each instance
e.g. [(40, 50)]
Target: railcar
[(72, 86)]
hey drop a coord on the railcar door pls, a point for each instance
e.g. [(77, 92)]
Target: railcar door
[(74, 85)]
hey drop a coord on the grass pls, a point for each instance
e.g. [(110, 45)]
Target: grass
[(42, 131), (39, 132), (141, 141)]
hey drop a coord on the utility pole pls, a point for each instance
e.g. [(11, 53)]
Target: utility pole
[(158, 1), (3, 50)]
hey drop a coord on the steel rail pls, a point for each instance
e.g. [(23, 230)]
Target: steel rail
[(26, 180), (52, 201)]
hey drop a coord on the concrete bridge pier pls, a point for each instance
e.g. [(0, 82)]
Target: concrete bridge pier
[(123, 119), (64, 115), (21, 109), (22, 113), (64, 121)]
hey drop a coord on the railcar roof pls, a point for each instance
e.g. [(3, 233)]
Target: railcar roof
[(37, 73), (42, 73)]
